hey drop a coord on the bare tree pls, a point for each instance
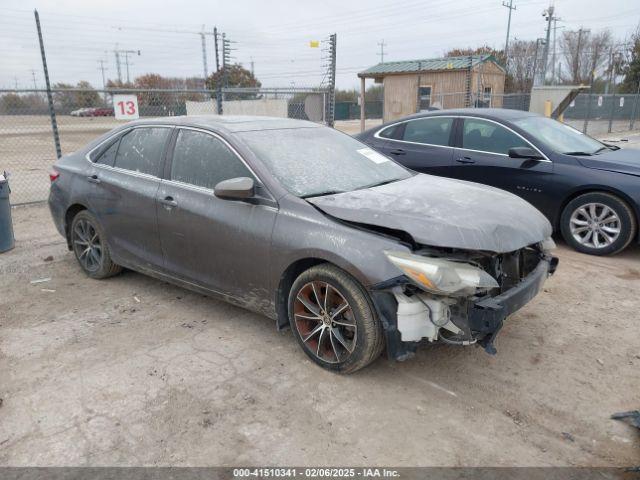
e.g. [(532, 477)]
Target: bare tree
[(521, 65), (584, 53)]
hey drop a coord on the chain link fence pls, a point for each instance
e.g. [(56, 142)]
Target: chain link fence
[(27, 141), (594, 114)]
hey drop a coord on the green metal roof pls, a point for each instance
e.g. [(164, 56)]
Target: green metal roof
[(426, 65)]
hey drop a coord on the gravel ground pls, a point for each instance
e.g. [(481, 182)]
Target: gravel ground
[(133, 371)]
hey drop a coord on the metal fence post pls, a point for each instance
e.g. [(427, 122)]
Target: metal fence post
[(635, 108), (613, 106), (588, 113), (52, 112)]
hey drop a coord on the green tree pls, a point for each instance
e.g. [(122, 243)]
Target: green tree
[(68, 97), (631, 70), (236, 77), (12, 103)]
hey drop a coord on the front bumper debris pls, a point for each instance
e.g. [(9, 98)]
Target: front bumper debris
[(481, 318)]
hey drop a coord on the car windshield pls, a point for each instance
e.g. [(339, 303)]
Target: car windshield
[(558, 136), (319, 161)]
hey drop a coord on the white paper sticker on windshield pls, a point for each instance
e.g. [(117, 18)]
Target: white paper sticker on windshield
[(372, 155)]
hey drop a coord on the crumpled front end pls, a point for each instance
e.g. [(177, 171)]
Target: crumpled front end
[(464, 303)]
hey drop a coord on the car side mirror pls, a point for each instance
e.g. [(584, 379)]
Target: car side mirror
[(235, 188), (524, 152)]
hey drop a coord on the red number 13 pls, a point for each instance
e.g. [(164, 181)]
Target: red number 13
[(128, 107)]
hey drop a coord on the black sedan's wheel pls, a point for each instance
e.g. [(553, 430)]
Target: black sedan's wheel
[(92, 253), (333, 319), (598, 223)]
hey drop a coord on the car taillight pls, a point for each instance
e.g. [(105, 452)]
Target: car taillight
[(53, 175)]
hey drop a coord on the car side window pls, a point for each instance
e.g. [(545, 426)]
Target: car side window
[(203, 160), (434, 131), (141, 150), (390, 132), (489, 137), (106, 156)]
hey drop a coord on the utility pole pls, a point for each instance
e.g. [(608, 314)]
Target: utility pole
[(204, 53), (126, 54), (536, 77), (545, 56), (102, 68), (506, 43), (33, 75), (576, 63), (252, 66), (382, 45), (553, 61)]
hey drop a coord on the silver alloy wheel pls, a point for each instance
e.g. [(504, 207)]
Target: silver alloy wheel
[(325, 322), (87, 246), (595, 225)]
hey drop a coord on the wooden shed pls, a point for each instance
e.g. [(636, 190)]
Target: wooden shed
[(450, 82)]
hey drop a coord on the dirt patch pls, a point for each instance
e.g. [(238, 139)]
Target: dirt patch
[(90, 375)]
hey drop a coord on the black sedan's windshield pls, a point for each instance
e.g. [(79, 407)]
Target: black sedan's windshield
[(559, 137), (319, 161)]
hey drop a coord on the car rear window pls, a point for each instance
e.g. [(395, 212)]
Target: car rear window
[(432, 131), (141, 150)]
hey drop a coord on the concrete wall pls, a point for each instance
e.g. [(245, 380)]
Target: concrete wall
[(260, 107)]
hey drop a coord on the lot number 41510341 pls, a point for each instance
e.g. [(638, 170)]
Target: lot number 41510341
[(125, 107)]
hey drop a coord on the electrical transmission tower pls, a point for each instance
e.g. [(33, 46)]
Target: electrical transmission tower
[(126, 54)]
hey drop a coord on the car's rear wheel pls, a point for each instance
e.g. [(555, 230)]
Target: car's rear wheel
[(598, 223), (333, 319), (90, 248)]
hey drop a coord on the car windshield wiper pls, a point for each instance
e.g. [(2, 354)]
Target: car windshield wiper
[(379, 184), (587, 154), (322, 194), (607, 147)]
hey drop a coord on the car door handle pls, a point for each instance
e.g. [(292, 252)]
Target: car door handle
[(398, 151), (465, 160), (93, 179), (169, 202)]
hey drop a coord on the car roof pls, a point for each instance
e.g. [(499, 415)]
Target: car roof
[(230, 123), (490, 113)]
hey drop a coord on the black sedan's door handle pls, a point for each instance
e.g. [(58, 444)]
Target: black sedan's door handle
[(169, 202), (93, 179), (465, 160), (398, 151)]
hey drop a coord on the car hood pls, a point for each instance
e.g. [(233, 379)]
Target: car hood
[(621, 161), (442, 212)]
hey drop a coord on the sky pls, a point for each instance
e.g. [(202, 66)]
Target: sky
[(274, 35)]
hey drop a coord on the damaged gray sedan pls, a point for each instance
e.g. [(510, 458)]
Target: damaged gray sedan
[(307, 226)]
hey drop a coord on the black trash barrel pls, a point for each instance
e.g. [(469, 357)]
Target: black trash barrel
[(7, 241)]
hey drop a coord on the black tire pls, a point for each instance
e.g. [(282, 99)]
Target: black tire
[(84, 226), (365, 336), (625, 224)]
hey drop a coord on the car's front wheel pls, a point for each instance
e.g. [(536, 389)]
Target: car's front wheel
[(333, 319), (598, 223), (90, 248)]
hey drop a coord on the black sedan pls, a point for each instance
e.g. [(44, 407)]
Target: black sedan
[(588, 190)]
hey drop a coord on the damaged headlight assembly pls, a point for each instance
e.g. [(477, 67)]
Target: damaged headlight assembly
[(443, 283), (440, 276)]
